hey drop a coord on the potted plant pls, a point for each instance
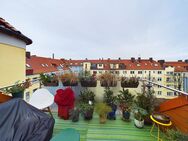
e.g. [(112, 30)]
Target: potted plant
[(102, 109), (111, 101), (49, 80), (147, 101), (17, 90), (139, 115), (69, 79), (86, 110), (88, 80), (86, 103), (108, 80), (125, 99), (131, 82)]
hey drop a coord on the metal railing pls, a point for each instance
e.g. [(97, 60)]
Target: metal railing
[(169, 88)]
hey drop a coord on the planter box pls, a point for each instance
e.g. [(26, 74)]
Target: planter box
[(68, 83), (86, 83), (52, 84), (4, 98), (129, 85), (111, 84)]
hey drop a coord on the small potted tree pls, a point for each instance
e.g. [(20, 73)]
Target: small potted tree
[(111, 101), (131, 82), (86, 103), (125, 99), (147, 101), (108, 80), (139, 115), (49, 80), (86, 110), (69, 79), (88, 80), (102, 109)]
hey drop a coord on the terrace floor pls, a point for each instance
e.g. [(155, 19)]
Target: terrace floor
[(112, 130)]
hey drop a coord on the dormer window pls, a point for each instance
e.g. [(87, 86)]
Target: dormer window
[(138, 65), (27, 65), (47, 65), (155, 65), (43, 65)]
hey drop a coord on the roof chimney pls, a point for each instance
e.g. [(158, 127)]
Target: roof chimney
[(139, 59), (119, 58), (161, 62), (151, 59), (86, 59), (52, 55), (28, 55), (179, 60), (132, 59), (186, 61)]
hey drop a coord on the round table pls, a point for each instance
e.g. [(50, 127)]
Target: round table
[(158, 123)]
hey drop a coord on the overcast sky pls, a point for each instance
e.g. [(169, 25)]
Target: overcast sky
[(80, 29)]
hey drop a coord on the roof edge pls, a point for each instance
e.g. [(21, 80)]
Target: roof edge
[(16, 34)]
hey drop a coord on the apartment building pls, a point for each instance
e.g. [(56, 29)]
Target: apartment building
[(12, 54), (36, 65)]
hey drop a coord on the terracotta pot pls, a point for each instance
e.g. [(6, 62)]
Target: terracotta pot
[(103, 118)]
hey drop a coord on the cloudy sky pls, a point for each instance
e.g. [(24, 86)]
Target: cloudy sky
[(81, 29)]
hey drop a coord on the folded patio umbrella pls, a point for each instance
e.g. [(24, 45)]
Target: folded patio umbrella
[(20, 121)]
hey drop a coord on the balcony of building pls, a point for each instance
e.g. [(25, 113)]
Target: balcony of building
[(116, 130)]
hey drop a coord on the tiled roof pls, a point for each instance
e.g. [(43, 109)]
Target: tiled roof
[(44, 65), (179, 66), (7, 28), (136, 64)]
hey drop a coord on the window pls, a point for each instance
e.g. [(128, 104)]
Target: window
[(159, 72), (43, 65), (159, 92), (169, 93), (100, 72), (155, 65), (153, 71), (100, 65), (124, 72), (139, 72), (132, 72), (85, 66), (27, 65), (159, 86), (159, 79), (117, 72)]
